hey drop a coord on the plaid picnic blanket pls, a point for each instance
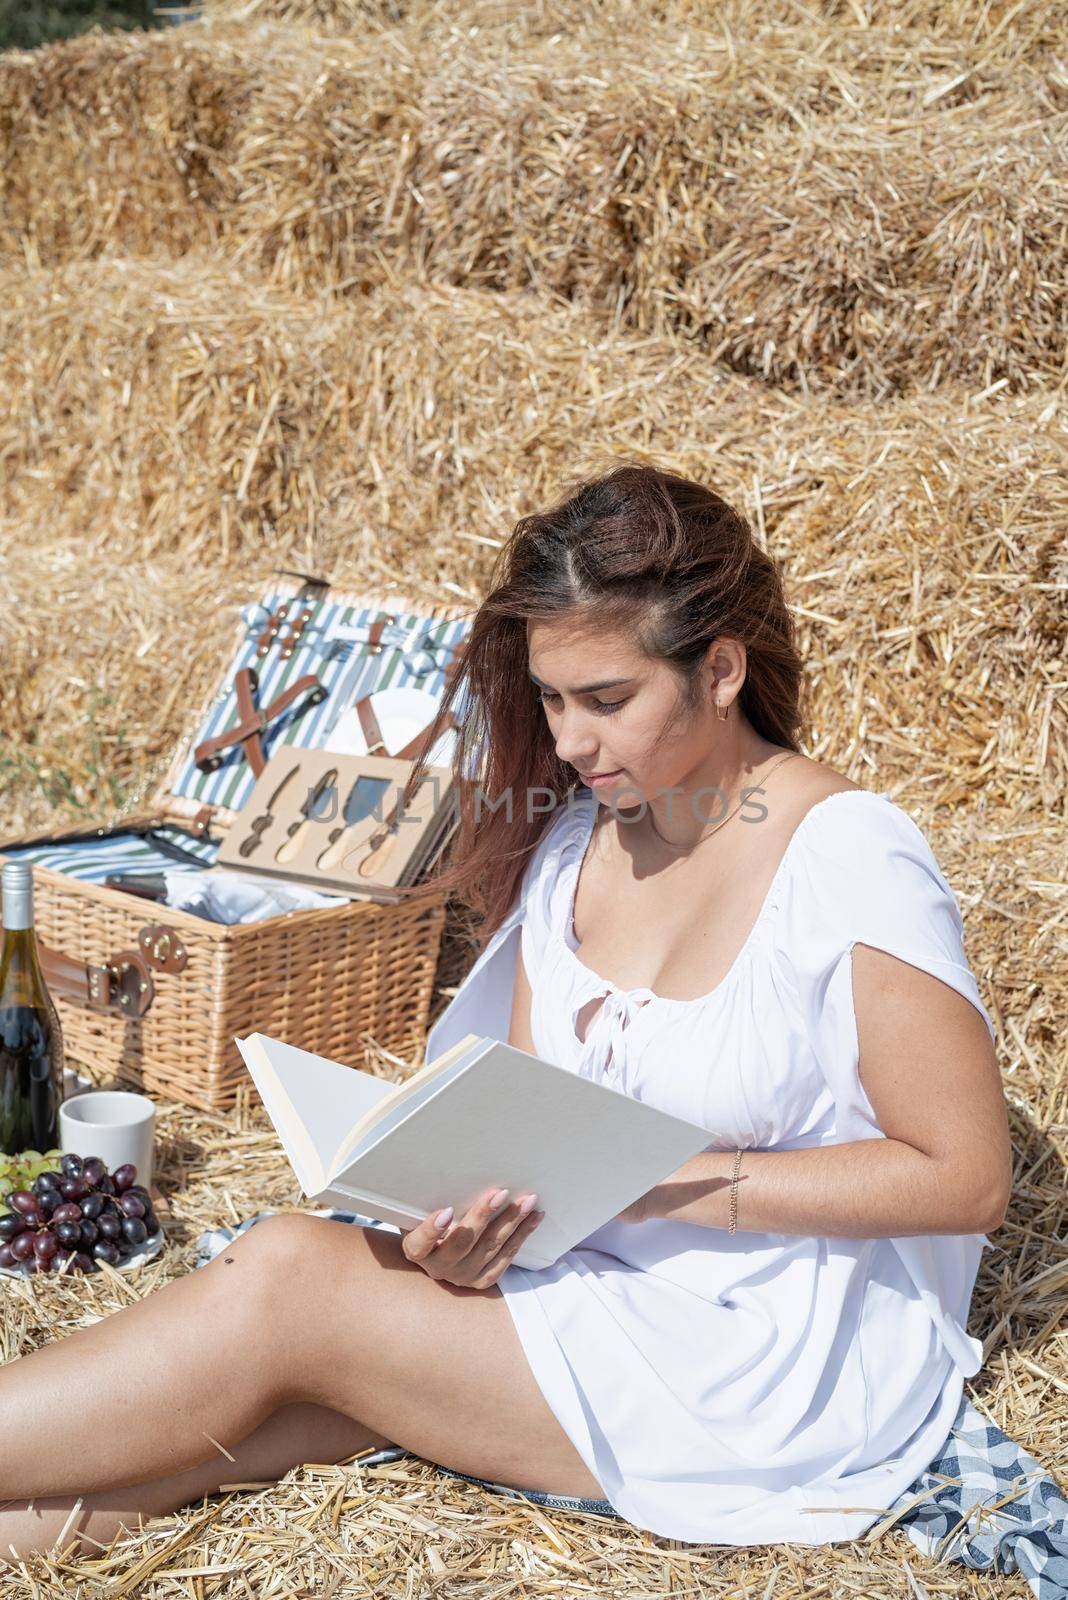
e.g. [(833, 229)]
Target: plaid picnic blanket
[(982, 1502)]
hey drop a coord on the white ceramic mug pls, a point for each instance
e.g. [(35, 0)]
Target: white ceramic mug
[(114, 1124)]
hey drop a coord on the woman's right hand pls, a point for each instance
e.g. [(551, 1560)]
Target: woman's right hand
[(473, 1251)]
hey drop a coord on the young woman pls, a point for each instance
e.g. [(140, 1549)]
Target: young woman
[(678, 903)]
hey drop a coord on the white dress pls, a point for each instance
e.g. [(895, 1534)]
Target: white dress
[(756, 1387)]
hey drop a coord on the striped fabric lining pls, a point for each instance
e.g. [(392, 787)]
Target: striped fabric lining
[(232, 784), (92, 859), (234, 781)]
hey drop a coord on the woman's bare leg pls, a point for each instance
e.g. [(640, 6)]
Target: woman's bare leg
[(297, 1310), (291, 1436)]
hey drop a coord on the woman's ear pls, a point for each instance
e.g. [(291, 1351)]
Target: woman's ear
[(724, 668)]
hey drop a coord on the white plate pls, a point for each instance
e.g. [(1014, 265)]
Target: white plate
[(150, 1248), (401, 714)]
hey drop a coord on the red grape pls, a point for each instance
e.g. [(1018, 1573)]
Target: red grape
[(75, 1218)]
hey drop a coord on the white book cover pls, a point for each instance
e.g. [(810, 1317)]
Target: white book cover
[(483, 1113)]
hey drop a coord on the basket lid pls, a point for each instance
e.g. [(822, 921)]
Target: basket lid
[(333, 646)]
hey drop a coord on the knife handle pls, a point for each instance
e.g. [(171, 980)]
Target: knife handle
[(292, 846), (147, 885)]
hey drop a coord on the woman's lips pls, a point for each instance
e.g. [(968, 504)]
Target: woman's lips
[(595, 781)]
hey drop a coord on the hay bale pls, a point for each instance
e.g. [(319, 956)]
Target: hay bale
[(177, 432), (512, 23), (831, 214)]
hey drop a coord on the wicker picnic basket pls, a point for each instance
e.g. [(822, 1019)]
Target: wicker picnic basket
[(152, 996)]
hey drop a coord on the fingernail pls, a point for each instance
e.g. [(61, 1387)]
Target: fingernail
[(528, 1205), (443, 1217), (499, 1198)]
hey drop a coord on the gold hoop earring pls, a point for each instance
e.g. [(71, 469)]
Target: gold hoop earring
[(721, 712)]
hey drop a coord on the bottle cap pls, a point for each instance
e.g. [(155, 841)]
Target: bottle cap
[(16, 881)]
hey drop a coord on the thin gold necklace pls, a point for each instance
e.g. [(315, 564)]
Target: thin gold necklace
[(723, 822)]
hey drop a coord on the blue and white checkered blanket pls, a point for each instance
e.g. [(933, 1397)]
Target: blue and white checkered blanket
[(983, 1501)]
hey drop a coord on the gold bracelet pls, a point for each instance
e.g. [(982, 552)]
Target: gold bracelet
[(732, 1223)]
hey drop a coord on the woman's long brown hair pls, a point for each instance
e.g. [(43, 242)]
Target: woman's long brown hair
[(638, 549)]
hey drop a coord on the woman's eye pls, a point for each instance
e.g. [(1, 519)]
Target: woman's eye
[(602, 707)]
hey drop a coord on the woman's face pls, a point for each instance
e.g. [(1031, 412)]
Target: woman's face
[(607, 705)]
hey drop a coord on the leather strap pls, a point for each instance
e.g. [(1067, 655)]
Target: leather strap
[(123, 984), (274, 622), (251, 722), (372, 733), (374, 634), (376, 745), (291, 640), (458, 651), (201, 822), (412, 751), (247, 717), (416, 748)]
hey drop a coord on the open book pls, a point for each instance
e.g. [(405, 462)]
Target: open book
[(483, 1113)]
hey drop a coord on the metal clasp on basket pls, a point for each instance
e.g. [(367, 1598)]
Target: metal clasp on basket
[(162, 948), (124, 984)]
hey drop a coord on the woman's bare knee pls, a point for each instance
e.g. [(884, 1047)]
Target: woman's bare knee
[(288, 1245), (281, 1233), (298, 1263), (276, 1252)]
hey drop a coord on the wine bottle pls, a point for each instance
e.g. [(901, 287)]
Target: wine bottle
[(31, 1039)]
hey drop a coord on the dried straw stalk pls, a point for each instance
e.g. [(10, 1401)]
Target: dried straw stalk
[(171, 435), (831, 208)]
